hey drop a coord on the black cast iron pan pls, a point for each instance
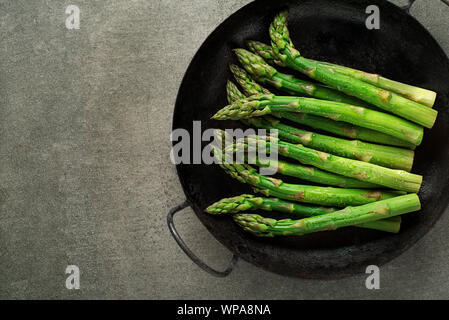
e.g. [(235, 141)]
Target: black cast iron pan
[(334, 31)]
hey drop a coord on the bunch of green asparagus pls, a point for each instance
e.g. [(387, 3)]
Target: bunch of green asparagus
[(360, 177)]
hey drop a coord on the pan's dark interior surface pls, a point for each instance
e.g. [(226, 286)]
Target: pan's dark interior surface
[(332, 31)]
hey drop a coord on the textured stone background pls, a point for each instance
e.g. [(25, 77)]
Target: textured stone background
[(85, 176)]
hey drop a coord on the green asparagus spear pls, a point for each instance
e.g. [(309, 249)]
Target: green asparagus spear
[(295, 170), (265, 51), (390, 157), (310, 174), (249, 86), (259, 105), (233, 93), (325, 196), (299, 171), (343, 129), (420, 95), (266, 227), (283, 48), (266, 74), (395, 179), (248, 202)]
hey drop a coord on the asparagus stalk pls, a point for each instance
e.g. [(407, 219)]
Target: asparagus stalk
[(266, 227), (420, 95), (233, 93), (390, 157), (343, 129), (326, 196), (299, 171), (395, 179), (265, 51), (248, 202), (249, 86), (310, 174), (260, 105), (384, 99), (266, 74)]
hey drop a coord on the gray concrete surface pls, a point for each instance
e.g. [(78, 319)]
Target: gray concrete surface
[(85, 176)]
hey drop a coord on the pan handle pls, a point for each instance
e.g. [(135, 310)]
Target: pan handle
[(410, 3), (188, 252)]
